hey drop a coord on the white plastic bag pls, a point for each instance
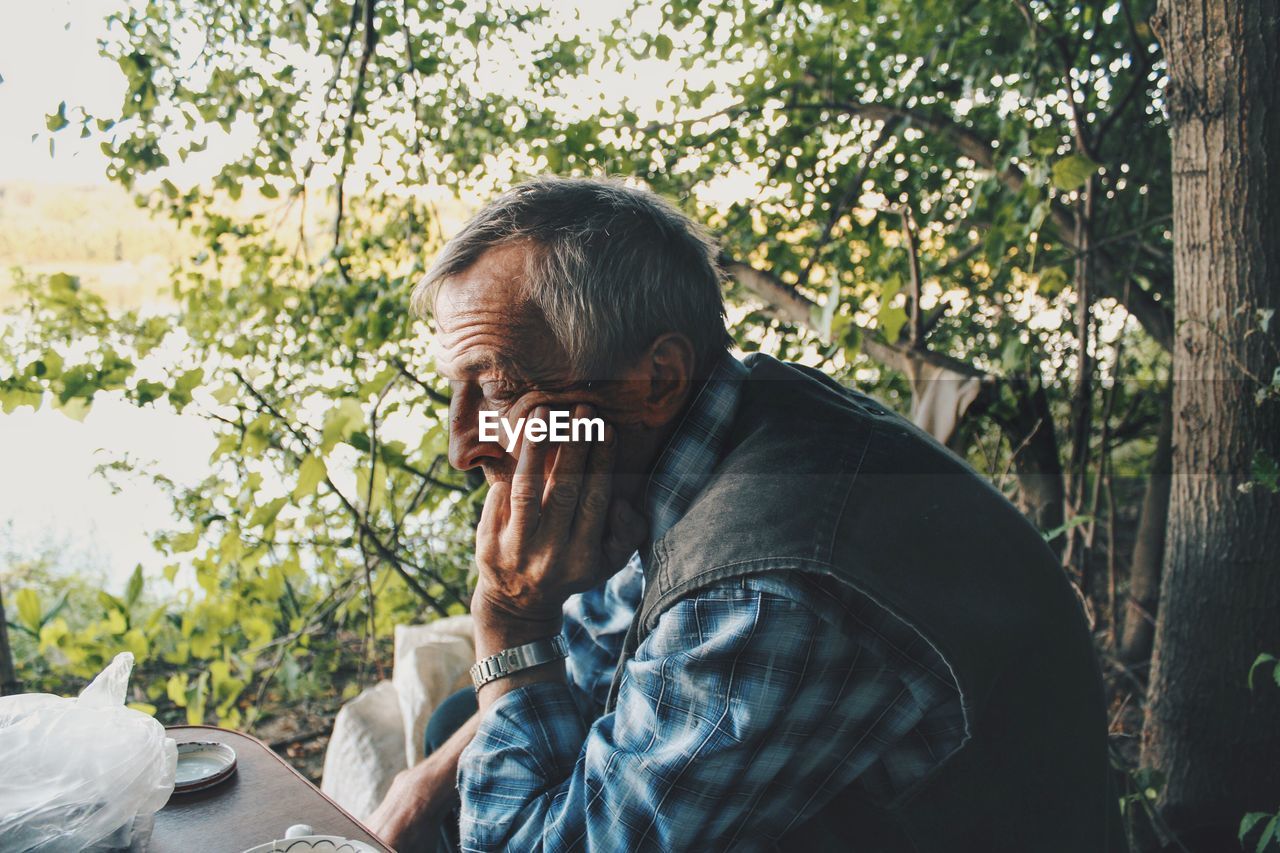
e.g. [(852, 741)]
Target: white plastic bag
[(81, 774)]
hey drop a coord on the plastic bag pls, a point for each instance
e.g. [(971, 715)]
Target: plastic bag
[(81, 774)]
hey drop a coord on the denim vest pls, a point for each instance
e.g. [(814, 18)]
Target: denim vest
[(820, 479)]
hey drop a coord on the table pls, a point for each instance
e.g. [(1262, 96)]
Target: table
[(257, 804)]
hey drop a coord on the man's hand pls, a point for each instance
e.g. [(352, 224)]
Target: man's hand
[(407, 819), (409, 816), (547, 535)]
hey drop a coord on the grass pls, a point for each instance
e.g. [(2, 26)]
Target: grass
[(95, 232)]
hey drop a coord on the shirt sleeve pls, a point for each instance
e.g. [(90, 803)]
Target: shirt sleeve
[(739, 716), (595, 626)]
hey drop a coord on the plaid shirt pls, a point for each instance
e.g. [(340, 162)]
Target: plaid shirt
[(750, 705)]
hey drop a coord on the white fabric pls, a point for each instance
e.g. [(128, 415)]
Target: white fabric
[(431, 663), (366, 750), (939, 397), (380, 732)]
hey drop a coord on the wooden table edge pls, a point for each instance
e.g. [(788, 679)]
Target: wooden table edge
[(292, 770)]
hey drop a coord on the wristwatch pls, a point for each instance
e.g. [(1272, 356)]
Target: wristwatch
[(510, 661)]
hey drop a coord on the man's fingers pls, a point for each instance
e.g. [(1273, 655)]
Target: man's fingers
[(597, 489), (564, 486), (527, 485)]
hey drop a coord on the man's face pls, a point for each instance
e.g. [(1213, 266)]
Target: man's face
[(499, 355)]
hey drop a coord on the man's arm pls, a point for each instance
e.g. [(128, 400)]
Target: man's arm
[(739, 717), (418, 797)]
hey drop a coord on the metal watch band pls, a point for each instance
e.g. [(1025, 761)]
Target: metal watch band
[(509, 661)]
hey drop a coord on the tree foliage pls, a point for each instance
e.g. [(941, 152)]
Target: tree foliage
[(978, 186)]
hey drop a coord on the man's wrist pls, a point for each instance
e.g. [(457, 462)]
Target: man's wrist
[(502, 627), (499, 627), (517, 659)]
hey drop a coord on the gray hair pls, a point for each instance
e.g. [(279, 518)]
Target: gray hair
[(611, 267)]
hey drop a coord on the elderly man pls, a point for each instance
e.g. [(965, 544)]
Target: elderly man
[(762, 613)]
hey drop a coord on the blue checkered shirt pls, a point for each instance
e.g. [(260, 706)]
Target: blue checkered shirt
[(750, 705)]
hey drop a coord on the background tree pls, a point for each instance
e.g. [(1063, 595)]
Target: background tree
[(1219, 745)]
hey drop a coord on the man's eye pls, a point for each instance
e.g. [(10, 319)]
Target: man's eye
[(500, 392)]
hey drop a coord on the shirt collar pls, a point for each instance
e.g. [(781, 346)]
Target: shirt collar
[(693, 450)]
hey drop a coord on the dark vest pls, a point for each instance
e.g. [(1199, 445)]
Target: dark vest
[(818, 479)]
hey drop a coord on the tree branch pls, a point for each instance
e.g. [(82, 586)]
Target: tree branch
[(1156, 317), (793, 306), (362, 523), (916, 325), (357, 101), (432, 393)]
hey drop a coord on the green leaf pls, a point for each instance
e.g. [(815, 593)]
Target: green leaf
[(662, 46), (136, 642), (1248, 822), (1266, 472), (227, 443), (1051, 281), (224, 393), (180, 391), (134, 588), (77, 408), (12, 398), (57, 121), (310, 474), (340, 422), (196, 697), (1038, 214), (1013, 355), (230, 548), (257, 437), (116, 624), (890, 319), (1074, 522), (109, 602), (1071, 173), (1268, 833), (30, 609), (53, 364), (1045, 141), (148, 391), (1262, 660), (267, 513)]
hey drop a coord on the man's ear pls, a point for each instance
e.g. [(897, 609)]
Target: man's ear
[(666, 373)]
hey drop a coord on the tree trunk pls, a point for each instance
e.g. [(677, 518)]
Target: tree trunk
[(1217, 743), (1077, 544), (1148, 551)]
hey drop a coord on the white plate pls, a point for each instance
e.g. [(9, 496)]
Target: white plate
[(313, 844), (202, 764)]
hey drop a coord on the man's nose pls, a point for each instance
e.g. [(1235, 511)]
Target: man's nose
[(466, 450)]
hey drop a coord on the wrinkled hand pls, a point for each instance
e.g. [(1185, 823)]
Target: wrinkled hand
[(407, 818), (547, 535)]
